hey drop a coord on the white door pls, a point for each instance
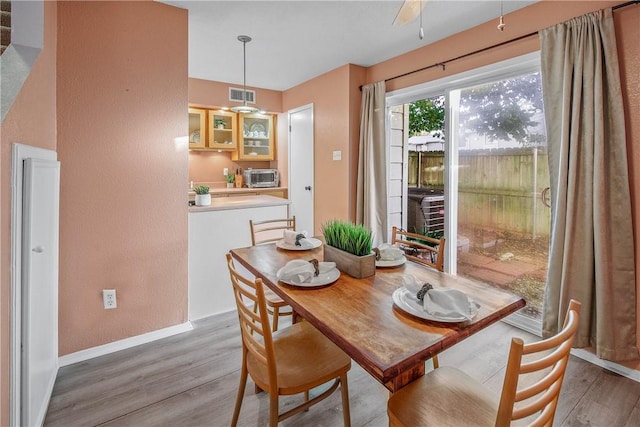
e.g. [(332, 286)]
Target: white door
[(39, 287), (301, 183)]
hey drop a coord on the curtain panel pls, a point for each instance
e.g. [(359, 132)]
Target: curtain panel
[(591, 256), (371, 202)]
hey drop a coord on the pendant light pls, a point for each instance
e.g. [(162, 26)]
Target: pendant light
[(244, 108)]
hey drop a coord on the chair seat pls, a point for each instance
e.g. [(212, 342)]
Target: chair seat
[(295, 347), (444, 397)]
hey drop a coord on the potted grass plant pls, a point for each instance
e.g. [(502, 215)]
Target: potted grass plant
[(203, 198), (230, 180), (349, 246)]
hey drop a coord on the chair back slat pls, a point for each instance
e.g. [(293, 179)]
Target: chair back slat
[(255, 328), (270, 230), (537, 401), (419, 248)]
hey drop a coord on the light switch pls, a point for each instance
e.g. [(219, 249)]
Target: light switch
[(337, 155)]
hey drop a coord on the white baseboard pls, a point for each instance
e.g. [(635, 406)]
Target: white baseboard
[(632, 374), (101, 350)]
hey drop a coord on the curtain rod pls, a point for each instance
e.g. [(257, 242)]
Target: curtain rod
[(484, 49)]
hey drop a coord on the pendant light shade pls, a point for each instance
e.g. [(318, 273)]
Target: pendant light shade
[(244, 108)]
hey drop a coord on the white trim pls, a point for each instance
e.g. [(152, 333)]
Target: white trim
[(488, 73), (101, 350), (528, 324), (19, 152), (632, 374)]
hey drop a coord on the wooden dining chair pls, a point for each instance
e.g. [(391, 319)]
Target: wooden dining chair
[(419, 248), (268, 231), (415, 248), (449, 397), (291, 361)]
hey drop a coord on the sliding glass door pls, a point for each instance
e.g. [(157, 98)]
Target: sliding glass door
[(480, 175), (503, 222)]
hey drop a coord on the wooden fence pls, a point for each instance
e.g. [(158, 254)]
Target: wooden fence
[(497, 189)]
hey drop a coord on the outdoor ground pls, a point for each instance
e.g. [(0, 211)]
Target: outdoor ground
[(509, 261)]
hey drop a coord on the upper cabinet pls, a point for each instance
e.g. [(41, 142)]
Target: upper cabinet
[(197, 128), (246, 136), (223, 127), (256, 141)]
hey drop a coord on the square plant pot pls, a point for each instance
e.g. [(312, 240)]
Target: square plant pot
[(354, 266)]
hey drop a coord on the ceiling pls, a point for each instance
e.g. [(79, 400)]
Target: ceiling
[(295, 41)]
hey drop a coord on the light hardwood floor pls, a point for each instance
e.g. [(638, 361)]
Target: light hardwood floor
[(191, 379)]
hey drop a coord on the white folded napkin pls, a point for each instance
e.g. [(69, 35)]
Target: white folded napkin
[(291, 236), (389, 252), (302, 271), (445, 303)]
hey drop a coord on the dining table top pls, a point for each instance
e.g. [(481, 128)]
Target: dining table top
[(359, 315)]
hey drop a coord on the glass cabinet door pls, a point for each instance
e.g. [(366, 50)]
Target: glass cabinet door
[(197, 132), (256, 141), (222, 130)]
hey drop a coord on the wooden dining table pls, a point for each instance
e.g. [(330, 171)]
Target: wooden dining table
[(360, 317)]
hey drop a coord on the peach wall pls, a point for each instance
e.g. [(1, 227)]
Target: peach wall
[(207, 94), (628, 36), (282, 149), (32, 121), (122, 124), (207, 166), (330, 94)]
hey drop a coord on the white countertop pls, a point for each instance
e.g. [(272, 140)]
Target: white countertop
[(240, 202), (213, 190)]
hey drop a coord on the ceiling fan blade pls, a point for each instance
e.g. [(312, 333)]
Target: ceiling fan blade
[(408, 12)]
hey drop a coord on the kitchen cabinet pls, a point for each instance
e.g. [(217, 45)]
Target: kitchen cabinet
[(223, 126), (212, 233), (197, 128), (257, 136)]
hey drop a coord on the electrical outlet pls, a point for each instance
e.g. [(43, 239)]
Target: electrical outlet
[(109, 298), (225, 171)]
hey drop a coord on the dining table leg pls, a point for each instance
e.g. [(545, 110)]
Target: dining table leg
[(405, 378)]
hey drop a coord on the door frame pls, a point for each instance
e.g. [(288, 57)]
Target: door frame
[(289, 113), (19, 152)]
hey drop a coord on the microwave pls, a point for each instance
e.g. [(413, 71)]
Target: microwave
[(255, 178)]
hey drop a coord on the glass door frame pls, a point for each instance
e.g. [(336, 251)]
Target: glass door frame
[(450, 86)]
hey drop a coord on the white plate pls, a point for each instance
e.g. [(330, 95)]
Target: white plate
[(284, 245), (406, 301), (391, 263), (257, 127), (321, 280)]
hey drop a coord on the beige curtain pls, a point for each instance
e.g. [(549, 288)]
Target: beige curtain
[(371, 202), (591, 253)]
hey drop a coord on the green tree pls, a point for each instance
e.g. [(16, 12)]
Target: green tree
[(427, 115), (504, 110)]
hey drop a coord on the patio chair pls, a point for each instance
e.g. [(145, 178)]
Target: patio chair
[(419, 248)]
